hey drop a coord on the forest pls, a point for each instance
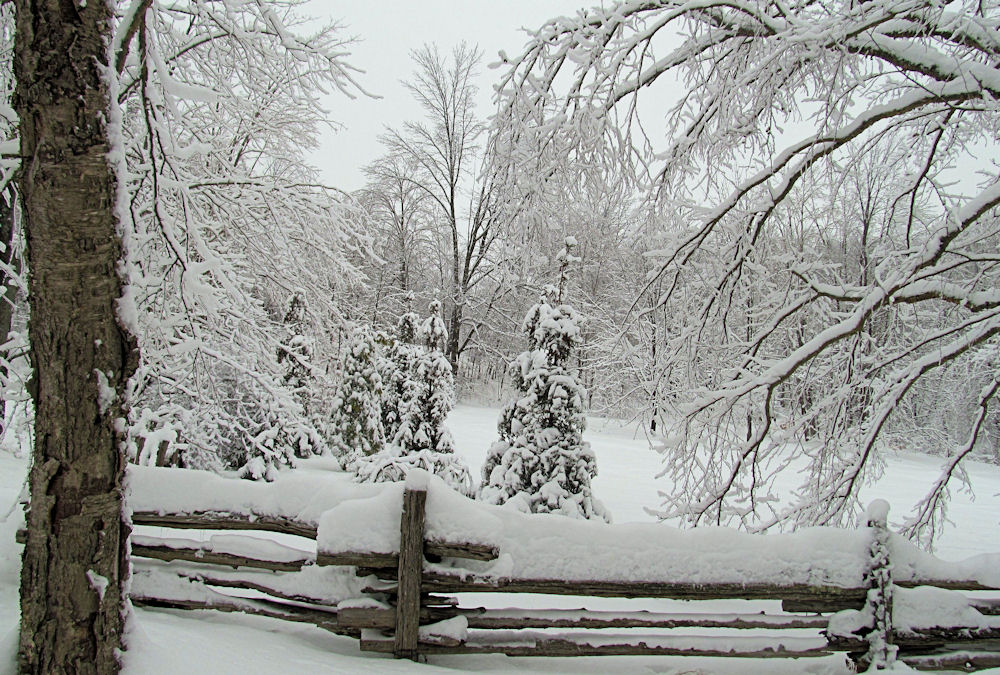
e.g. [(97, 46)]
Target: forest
[(765, 235)]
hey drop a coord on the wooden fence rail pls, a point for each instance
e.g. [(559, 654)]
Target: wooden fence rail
[(410, 610)]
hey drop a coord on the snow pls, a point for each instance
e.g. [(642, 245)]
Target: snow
[(687, 642), (230, 544), (105, 392), (169, 641), (878, 512), (332, 586), (928, 607), (453, 629), (339, 528), (417, 479), (921, 608), (98, 582), (552, 547), (545, 546), (301, 496)]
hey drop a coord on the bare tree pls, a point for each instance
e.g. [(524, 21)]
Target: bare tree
[(400, 211), (893, 78), (444, 147)]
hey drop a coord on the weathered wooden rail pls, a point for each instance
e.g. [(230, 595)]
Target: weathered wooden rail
[(404, 605)]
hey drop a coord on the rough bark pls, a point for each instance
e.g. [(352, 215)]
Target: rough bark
[(75, 559)]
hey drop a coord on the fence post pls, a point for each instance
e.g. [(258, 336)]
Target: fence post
[(411, 566), (881, 652)]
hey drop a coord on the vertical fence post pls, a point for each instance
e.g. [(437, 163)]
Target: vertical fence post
[(411, 566), (881, 652)]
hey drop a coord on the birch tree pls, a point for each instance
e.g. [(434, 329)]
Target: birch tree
[(776, 108)]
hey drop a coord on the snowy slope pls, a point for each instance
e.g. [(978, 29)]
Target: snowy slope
[(165, 641)]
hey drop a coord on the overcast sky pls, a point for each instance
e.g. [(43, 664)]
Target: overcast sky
[(387, 31)]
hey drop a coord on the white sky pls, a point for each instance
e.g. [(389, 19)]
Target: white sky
[(388, 30)]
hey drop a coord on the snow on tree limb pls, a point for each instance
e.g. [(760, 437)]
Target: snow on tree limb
[(821, 266)]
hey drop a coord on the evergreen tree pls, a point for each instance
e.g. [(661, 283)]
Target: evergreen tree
[(425, 394), (294, 351), (357, 412), (436, 395), (541, 463), (436, 398), (398, 368)]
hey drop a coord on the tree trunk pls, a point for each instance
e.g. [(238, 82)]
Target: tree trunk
[(453, 348), (75, 560)]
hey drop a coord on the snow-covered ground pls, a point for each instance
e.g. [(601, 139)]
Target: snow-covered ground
[(165, 641)]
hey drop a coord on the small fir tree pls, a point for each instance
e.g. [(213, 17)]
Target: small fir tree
[(397, 366), (295, 354), (294, 350), (425, 395), (357, 413), (437, 394), (541, 464)]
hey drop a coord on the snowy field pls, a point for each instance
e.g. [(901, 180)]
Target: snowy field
[(165, 641)]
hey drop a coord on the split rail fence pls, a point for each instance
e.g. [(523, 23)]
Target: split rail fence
[(409, 610)]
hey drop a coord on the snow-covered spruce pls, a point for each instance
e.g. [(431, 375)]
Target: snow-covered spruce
[(357, 413), (541, 463), (295, 349), (424, 394), (397, 365)]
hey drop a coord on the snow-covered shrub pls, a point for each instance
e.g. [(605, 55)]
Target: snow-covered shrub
[(212, 392), (356, 422), (541, 463), (393, 464), (247, 422)]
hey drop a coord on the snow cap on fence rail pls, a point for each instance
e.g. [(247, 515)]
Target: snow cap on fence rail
[(915, 609), (537, 546), (417, 480), (298, 496), (358, 518), (877, 514)]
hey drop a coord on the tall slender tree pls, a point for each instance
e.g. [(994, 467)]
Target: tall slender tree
[(469, 211), (75, 560)]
